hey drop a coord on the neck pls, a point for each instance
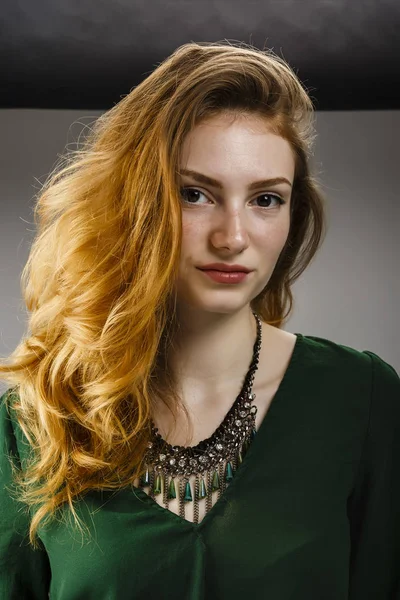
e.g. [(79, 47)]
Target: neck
[(212, 351)]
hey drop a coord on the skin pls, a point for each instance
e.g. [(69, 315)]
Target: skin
[(232, 225)]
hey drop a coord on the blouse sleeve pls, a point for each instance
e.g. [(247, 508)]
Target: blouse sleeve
[(24, 571), (374, 505)]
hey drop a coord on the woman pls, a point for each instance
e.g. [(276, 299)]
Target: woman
[(204, 451)]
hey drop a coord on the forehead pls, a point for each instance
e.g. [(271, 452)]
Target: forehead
[(220, 148)]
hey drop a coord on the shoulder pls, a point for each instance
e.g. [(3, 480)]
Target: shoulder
[(8, 440), (12, 438), (7, 417), (6, 403), (361, 370), (332, 352), (6, 412), (327, 361)]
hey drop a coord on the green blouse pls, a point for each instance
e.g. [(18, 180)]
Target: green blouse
[(313, 511)]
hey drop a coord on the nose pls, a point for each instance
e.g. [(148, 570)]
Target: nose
[(231, 230)]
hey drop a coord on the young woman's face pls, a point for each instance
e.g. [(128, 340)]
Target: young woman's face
[(234, 223)]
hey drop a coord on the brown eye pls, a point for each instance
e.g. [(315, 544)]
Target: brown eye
[(183, 190), (275, 196)]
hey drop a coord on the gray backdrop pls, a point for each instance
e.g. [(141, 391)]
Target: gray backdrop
[(350, 294)]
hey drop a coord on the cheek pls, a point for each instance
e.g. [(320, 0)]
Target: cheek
[(272, 237), (192, 243), (191, 226), (191, 231)]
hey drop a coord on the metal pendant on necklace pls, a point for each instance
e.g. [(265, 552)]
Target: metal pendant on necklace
[(214, 461)]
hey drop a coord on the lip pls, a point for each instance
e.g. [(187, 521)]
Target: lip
[(225, 277), (224, 267)]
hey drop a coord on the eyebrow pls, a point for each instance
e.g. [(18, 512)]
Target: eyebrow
[(217, 184)]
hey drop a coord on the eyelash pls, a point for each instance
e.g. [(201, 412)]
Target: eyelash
[(276, 196)]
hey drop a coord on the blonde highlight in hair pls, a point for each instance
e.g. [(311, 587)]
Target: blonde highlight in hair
[(99, 280)]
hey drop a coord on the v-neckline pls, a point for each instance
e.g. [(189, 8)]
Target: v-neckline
[(273, 407)]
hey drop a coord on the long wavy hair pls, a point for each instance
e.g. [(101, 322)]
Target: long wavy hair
[(99, 280)]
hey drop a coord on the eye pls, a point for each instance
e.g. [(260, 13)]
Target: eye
[(279, 199)]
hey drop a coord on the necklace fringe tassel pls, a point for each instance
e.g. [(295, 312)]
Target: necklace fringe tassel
[(217, 480)]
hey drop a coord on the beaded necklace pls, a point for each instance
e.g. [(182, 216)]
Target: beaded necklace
[(214, 459)]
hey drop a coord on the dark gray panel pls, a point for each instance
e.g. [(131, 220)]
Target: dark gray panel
[(85, 55)]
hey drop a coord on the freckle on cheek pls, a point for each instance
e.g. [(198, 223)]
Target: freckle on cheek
[(190, 229)]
